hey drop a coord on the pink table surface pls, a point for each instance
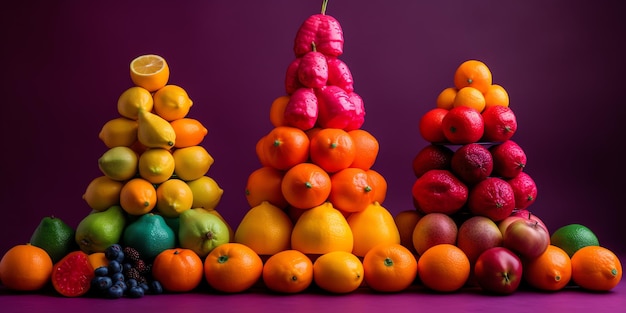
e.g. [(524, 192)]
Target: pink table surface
[(414, 299)]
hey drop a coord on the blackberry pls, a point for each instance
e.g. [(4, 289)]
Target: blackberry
[(133, 273), (131, 254), (142, 267)]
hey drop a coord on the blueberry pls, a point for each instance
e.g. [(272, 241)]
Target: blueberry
[(144, 286), (121, 284), (102, 282), (115, 291), (117, 277), (101, 271), (136, 292), (127, 266), (114, 252), (155, 287), (131, 282), (114, 267)]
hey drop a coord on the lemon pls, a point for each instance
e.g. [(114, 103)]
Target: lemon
[(132, 100), (119, 163), (102, 192), (149, 71), (156, 165), (192, 162), (155, 132), (119, 131), (173, 197), (572, 237), (172, 102), (206, 192)]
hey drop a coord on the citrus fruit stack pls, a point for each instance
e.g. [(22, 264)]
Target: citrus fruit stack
[(316, 191)]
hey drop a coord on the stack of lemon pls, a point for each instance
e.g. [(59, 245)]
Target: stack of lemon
[(154, 162)]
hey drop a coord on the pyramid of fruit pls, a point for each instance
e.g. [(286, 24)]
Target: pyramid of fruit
[(315, 190), (472, 197)]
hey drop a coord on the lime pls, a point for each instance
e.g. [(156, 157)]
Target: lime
[(572, 237)]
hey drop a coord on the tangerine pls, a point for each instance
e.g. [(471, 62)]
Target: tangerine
[(306, 185), (288, 271), (232, 267), (443, 268), (25, 267), (285, 146), (351, 190), (338, 272), (473, 73), (389, 267), (178, 270), (596, 268), (552, 270), (332, 149), (366, 149)]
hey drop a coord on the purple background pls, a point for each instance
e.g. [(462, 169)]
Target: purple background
[(65, 64)]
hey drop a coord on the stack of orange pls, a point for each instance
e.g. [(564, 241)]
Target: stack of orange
[(154, 162)]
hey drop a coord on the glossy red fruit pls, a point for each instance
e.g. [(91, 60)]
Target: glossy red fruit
[(432, 157), (472, 163), (301, 110), (430, 125), (493, 198), (463, 125), (509, 159), (525, 190), (500, 123), (71, 276), (439, 191), (339, 74)]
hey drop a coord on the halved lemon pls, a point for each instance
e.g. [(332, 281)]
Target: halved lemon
[(149, 71)]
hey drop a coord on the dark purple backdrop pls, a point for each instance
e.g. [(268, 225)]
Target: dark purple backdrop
[(64, 66)]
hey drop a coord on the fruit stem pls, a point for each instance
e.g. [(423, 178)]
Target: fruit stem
[(324, 5), (367, 189), (313, 46), (308, 185), (506, 277)]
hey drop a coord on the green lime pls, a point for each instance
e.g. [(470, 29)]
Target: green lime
[(573, 237), (55, 236)]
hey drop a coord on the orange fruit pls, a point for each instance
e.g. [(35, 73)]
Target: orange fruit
[(171, 102), (551, 271), (189, 132), (277, 111), (72, 275), (266, 229), (98, 259), (405, 222), (389, 267), (284, 147), (445, 99), (25, 268), (138, 196), (366, 148), (174, 196), (332, 149), (119, 131), (470, 97), (232, 267), (178, 270), (320, 230), (306, 185), (288, 271), (430, 125), (596, 268), (443, 268), (149, 71), (351, 190), (379, 185), (103, 192), (473, 73), (338, 272), (372, 226), (496, 95), (264, 184), (260, 151)]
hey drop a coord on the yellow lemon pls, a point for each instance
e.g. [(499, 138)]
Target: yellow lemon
[(206, 192), (103, 192), (119, 163), (173, 197), (156, 165), (172, 102), (132, 100), (149, 71), (155, 132), (192, 162), (119, 131)]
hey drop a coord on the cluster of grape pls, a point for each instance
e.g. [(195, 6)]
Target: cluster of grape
[(126, 274)]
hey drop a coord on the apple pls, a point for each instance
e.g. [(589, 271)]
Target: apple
[(477, 234), (517, 215), (527, 238), (498, 270)]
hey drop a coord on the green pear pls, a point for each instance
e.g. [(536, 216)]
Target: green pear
[(55, 236), (149, 235), (98, 230), (202, 231)]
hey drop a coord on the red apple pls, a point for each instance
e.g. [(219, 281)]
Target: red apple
[(517, 215), (527, 238), (498, 270)]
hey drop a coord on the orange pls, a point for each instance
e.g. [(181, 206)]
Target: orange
[(496, 95), (443, 268), (371, 227), (232, 267), (288, 271), (430, 125), (405, 222), (264, 184), (277, 111), (379, 185), (178, 270), (306, 185), (149, 71), (266, 229), (596, 268), (98, 259), (338, 272), (189, 132), (473, 73), (172, 102), (366, 148), (138, 196), (260, 151), (103, 192), (389, 267), (351, 190), (445, 99), (470, 97), (551, 271), (320, 230), (285, 146), (332, 149), (25, 268), (119, 131)]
